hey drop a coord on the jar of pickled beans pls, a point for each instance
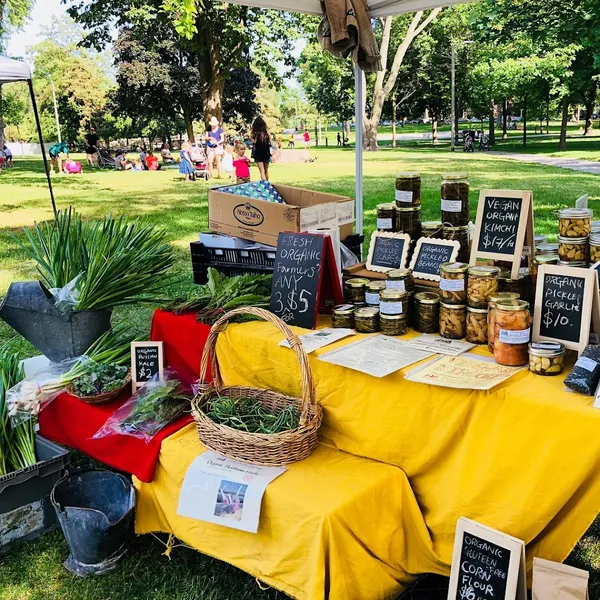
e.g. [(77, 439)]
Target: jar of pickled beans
[(453, 282), (427, 312), (513, 330), (482, 283), (453, 321)]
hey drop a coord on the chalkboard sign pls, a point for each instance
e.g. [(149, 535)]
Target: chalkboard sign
[(305, 278), (504, 221), (430, 254), (146, 362), (596, 267), (387, 251), (565, 303), (486, 564)]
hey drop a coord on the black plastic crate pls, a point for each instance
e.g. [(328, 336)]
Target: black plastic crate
[(25, 508)]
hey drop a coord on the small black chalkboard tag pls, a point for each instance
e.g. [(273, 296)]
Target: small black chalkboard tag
[(387, 251), (147, 361), (486, 564), (430, 254)]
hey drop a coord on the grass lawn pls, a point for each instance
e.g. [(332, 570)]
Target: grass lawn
[(34, 571)]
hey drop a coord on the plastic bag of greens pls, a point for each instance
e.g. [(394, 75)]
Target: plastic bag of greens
[(66, 298), (148, 411), (585, 375)]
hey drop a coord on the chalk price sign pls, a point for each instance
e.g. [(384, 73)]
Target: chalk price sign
[(387, 251), (500, 225), (562, 304), (430, 255), (146, 362)]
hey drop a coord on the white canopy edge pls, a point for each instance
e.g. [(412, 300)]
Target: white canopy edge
[(13, 70)]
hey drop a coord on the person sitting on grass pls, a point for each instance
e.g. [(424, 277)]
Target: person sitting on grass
[(121, 162), (55, 156), (152, 161), (241, 164), (167, 157)]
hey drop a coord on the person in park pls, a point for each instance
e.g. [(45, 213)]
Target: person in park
[(122, 163), (152, 161), (55, 153), (215, 138), (291, 141), (9, 156), (186, 166), (262, 147), (339, 139), (91, 142), (241, 164), (167, 157), (306, 139)]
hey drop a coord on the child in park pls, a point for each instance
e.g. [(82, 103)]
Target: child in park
[(227, 162), (186, 166), (241, 164)]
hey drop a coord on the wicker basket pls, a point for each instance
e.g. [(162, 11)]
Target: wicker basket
[(258, 448), (101, 398)]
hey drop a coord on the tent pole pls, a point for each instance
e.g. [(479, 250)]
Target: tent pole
[(358, 145), (39, 130)]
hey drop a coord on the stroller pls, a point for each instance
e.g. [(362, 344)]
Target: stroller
[(105, 160), (484, 142), (469, 138), (200, 162)]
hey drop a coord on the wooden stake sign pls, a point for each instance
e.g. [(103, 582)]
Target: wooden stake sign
[(305, 279), (430, 254), (504, 225), (387, 251), (147, 360), (486, 564), (566, 304)]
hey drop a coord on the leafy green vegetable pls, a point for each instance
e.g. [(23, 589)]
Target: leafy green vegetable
[(100, 379)]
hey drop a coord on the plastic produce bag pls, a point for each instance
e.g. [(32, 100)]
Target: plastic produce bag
[(148, 411), (26, 399), (66, 298), (585, 375)]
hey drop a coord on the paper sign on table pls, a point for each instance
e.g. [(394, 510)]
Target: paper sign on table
[(220, 490), (379, 355), (323, 337), (463, 372), (438, 345)]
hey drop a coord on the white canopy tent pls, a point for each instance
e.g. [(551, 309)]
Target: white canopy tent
[(377, 9), (10, 72)]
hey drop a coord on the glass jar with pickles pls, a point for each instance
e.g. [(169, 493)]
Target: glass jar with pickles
[(513, 330), (546, 358), (507, 284), (477, 328), (355, 289), (573, 249), (408, 220), (393, 324), (427, 312), (482, 283), (492, 314), (408, 189), (366, 319), (400, 279), (455, 199), (372, 292), (393, 302), (432, 229), (386, 217), (453, 282), (461, 235), (343, 316), (575, 222), (546, 249), (594, 247), (542, 259), (453, 321)]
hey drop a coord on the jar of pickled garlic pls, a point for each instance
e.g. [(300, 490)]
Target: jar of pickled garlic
[(372, 292), (343, 316), (453, 282), (432, 229), (355, 289), (482, 283), (492, 314), (400, 279), (408, 220), (393, 302), (513, 330), (546, 358), (393, 324), (573, 249), (455, 199), (408, 189), (477, 328), (594, 247), (461, 235), (575, 222), (453, 321), (386, 217), (366, 319), (427, 312), (579, 264)]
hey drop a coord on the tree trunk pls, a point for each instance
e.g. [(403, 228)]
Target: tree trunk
[(370, 135), (548, 116), (525, 121), (213, 99), (504, 118), (562, 144), (589, 109), (189, 128), (491, 126), (456, 127), (434, 129)]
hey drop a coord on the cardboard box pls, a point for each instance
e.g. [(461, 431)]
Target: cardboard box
[(263, 221)]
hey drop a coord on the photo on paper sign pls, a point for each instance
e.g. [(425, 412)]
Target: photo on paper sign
[(230, 500)]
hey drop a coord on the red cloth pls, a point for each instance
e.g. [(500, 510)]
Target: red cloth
[(71, 422)]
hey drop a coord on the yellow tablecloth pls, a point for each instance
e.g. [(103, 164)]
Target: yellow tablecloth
[(335, 526), (523, 458)]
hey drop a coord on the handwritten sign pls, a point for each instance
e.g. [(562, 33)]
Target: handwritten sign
[(565, 304), (387, 251), (430, 254), (146, 362), (486, 564), (504, 221)]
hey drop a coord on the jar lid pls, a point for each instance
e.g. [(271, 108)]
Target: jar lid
[(366, 312), (453, 306), (483, 271), (595, 237), (572, 240), (455, 228), (509, 279), (482, 311), (546, 259), (512, 305), (431, 225), (344, 309), (547, 249), (455, 176), (454, 267), (546, 349), (504, 273), (357, 282), (399, 273), (406, 209), (392, 294), (386, 206), (504, 296), (595, 226), (573, 263), (575, 213), (408, 174), (376, 286), (540, 239), (384, 317), (427, 298)]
